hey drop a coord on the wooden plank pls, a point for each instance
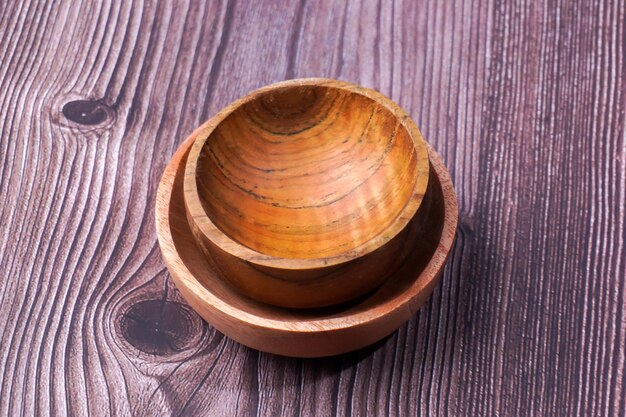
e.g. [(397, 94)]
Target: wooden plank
[(525, 101)]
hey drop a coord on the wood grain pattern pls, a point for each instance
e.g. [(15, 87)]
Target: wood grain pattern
[(340, 167), (300, 191), (414, 270), (525, 101)]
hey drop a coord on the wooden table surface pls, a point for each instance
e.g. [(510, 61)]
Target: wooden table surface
[(525, 101)]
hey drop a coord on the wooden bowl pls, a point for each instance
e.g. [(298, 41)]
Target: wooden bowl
[(301, 190), (315, 332)]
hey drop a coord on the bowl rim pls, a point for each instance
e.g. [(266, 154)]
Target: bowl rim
[(311, 336), (211, 232)]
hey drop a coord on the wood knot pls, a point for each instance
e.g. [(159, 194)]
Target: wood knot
[(160, 327), (88, 112)]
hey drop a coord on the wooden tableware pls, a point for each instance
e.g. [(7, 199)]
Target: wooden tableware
[(301, 192), (313, 332)]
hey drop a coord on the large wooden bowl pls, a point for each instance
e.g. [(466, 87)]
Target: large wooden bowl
[(301, 190), (315, 332)]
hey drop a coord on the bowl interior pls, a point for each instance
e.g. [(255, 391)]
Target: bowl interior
[(307, 171)]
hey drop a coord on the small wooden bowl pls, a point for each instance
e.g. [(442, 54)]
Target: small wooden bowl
[(316, 332), (301, 190)]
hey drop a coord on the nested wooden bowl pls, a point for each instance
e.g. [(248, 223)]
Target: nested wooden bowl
[(306, 332), (301, 192)]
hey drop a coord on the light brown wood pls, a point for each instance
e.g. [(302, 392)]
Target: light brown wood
[(306, 333), (301, 189)]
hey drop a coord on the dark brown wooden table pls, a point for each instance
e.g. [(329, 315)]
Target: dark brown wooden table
[(525, 101)]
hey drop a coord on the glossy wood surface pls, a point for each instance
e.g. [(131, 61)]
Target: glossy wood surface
[(300, 190), (524, 101), (308, 169), (415, 269)]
